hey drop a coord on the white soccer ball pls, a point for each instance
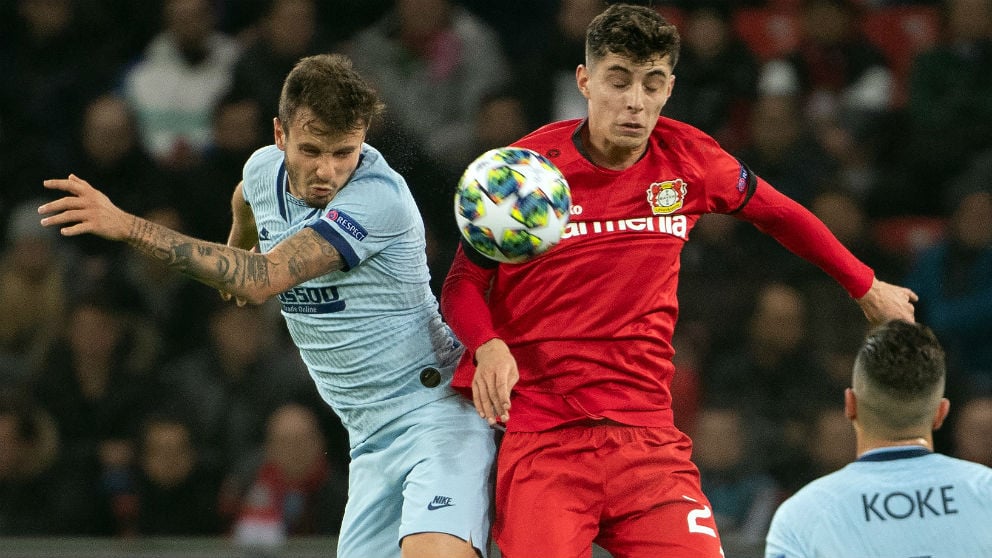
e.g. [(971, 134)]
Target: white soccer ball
[(512, 204)]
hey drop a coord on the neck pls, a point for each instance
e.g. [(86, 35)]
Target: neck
[(607, 155)]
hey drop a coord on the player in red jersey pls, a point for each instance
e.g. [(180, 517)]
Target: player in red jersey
[(582, 335)]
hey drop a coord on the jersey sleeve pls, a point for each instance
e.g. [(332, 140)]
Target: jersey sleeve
[(798, 230), (463, 301), (359, 226)]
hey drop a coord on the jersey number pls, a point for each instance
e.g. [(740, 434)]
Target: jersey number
[(693, 519)]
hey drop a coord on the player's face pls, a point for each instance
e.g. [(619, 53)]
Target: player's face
[(318, 163), (625, 99)]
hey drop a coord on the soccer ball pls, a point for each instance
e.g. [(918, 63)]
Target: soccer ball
[(512, 204)]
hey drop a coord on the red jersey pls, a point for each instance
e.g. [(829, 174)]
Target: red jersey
[(590, 322)]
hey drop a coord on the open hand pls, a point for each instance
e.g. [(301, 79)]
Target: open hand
[(85, 210)]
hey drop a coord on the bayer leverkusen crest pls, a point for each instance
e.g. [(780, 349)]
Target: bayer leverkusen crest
[(666, 197)]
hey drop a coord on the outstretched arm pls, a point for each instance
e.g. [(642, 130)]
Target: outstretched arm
[(249, 275), (801, 232)]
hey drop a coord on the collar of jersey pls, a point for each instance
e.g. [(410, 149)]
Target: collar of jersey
[(891, 454)]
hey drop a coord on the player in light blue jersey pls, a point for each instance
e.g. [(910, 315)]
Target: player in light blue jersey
[(899, 499), (323, 222)]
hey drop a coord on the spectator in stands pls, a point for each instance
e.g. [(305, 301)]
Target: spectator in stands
[(296, 490), (110, 150), (954, 281), (842, 77), (177, 491), (175, 86), (97, 386), (783, 149), (717, 76), (33, 285), (774, 372), (51, 66), (40, 494), (846, 84), (743, 495), (949, 111), (235, 380), (238, 127), (432, 72), (548, 72), (972, 430), (288, 31)]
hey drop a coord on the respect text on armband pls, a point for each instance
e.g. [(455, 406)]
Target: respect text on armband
[(312, 300), (932, 501)]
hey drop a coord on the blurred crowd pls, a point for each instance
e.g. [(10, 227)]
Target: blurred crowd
[(134, 403)]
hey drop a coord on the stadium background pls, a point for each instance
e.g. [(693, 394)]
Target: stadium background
[(108, 366)]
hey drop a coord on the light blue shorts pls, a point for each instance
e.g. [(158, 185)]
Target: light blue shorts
[(428, 471)]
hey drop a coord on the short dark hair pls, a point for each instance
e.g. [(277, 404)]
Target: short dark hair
[(327, 85), (903, 358), (635, 32), (899, 376)]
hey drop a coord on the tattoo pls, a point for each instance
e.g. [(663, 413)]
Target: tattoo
[(218, 266), (257, 268), (305, 255)]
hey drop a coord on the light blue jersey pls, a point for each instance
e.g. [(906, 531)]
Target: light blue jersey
[(375, 345), (367, 332), (901, 502)]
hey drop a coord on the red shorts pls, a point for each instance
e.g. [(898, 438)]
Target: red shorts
[(631, 490)]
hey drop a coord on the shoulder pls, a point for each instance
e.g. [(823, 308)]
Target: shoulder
[(374, 168), (553, 132), (376, 186), (262, 158), (981, 474), (553, 141), (818, 493), (674, 134)]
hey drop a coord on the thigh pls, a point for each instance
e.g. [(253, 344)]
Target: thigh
[(448, 488), (548, 496), (430, 471), (373, 512), (655, 506), (437, 545)]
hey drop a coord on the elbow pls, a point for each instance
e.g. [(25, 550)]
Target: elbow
[(259, 295), (257, 299)]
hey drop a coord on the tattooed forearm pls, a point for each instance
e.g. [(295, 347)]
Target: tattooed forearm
[(250, 275), (142, 237), (229, 269), (256, 269)]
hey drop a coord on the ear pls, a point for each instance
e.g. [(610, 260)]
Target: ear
[(582, 79), (850, 405), (280, 137), (942, 409)]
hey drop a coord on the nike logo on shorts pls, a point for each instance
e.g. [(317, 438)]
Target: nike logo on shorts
[(440, 502)]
